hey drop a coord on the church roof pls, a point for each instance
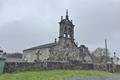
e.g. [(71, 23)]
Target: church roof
[(41, 46), (13, 55), (1, 50)]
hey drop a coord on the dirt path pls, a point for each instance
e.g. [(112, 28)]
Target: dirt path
[(109, 77)]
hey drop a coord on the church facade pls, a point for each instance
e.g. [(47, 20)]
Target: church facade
[(65, 49)]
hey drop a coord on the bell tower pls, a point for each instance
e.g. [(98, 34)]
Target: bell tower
[(66, 28)]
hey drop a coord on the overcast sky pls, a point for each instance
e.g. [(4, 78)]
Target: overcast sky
[(28, 23)]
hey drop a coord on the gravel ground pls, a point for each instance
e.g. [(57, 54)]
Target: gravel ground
[(109, 77)]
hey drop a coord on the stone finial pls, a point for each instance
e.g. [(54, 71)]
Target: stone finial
[(114, 54), (55, 40), (67, 17), (61, 17), (71, 21)]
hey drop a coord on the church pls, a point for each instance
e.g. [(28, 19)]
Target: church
[(65, 49)]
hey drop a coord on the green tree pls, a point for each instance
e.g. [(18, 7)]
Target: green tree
[(99, 55)]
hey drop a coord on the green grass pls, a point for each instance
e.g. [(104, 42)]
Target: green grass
[(50, 74)]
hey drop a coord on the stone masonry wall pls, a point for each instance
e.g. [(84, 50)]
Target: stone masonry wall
[(38, 66)]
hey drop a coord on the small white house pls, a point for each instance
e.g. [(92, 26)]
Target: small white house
[(116, 60)]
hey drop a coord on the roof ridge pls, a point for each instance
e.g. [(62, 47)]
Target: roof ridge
[(42, 46)]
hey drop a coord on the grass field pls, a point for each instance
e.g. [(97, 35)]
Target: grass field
[(50, 75)]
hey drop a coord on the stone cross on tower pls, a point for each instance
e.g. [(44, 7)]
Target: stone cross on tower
[(67, 17)]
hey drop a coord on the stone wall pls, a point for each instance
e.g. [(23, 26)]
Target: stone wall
[(109, 67), (38, 66), (30, 55)]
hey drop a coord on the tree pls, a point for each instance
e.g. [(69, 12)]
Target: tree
[(99, 55)]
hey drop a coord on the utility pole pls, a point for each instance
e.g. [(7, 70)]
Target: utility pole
[(106, 53)]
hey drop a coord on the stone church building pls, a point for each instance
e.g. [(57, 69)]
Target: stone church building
[(65, 49)]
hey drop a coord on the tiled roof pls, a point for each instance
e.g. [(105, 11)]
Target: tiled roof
[(42, 46), (1, 50), (13, 55)]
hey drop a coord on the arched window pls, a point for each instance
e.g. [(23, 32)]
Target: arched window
[(65, 28), (64, 35), (69, 30), (68, 36)]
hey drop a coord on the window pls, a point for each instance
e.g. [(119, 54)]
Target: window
[(65, 28), (64, 35), (68, 36)]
